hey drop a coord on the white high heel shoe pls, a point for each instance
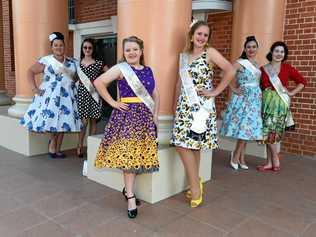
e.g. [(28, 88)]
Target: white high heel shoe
[(232, 164), (244, 167)]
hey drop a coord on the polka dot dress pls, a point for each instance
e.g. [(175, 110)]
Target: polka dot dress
[(88, 108)]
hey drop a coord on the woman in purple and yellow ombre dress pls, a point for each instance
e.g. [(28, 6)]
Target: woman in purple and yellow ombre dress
[(130, 139)]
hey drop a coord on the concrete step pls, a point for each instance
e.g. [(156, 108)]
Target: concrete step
[(154, 187)]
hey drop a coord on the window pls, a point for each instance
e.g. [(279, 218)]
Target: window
[(71, 11)]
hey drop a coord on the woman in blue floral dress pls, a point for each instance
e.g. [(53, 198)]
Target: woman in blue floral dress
[(54, 106), (242, 119)]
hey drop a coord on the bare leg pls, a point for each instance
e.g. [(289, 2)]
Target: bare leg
[(82, 132), (59, 141), (268, 163), (238, 151), (81, 137), (190, 164), (93, 126), (242, 153), (129, 180), (53, 142), (197, 155), (274, 155)]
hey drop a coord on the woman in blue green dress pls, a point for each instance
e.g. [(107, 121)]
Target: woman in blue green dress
[(242, 119)]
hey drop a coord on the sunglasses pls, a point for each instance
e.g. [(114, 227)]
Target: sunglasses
[(87, 47)]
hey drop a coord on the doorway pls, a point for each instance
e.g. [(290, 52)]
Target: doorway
[(106, 50)]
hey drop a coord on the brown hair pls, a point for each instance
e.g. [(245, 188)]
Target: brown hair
[(189, 44), (138, 41)]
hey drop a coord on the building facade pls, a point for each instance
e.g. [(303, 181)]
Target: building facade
[(293, 21)]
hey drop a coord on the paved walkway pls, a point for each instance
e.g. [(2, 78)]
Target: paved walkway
[(41, 197)]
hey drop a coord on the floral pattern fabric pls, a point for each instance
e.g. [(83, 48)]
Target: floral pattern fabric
[(56, 109), (202, 74), (274, 113), (130, 138), (242, 118)]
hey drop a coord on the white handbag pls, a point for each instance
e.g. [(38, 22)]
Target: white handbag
[(199, 123)]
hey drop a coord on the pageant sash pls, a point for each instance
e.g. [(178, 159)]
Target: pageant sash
[(87, 84), (199, 123), (277, 84), (250, 67), (187, 83), (136, 85), (60, 68)]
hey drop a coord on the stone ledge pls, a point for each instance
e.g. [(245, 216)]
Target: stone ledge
[(151, 188), (17, 138)]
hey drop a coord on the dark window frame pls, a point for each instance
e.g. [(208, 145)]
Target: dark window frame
[(71, 12)]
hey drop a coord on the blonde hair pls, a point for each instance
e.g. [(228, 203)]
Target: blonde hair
[(138, 41), (189, 44)]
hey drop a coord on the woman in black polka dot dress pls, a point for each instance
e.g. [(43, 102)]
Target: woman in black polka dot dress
[(89, 104)]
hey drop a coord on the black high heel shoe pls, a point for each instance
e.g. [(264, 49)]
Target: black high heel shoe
[(138, 203), (132, 213)]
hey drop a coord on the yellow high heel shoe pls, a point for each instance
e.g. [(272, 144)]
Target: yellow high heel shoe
[(196, 202), (188, 194)]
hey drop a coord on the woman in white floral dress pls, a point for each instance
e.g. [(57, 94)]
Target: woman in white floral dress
[(201, 59), (54, 106)]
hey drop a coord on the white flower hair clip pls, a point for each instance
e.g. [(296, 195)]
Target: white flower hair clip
[(51, 37)]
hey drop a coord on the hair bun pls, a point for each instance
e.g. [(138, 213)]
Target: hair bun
[(250, 38)]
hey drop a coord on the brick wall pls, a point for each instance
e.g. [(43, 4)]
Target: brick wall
[(8, 47), (2, 82), (300, 36), (94, 10), (221, 27)]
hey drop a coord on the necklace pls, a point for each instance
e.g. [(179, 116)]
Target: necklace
[(275, 69)]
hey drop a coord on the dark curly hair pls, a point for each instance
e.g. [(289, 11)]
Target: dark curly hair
[(276, 44)]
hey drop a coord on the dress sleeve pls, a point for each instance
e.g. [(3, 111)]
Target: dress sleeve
[(43, 60), (77, 64), (264, 80), (296, 76)]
